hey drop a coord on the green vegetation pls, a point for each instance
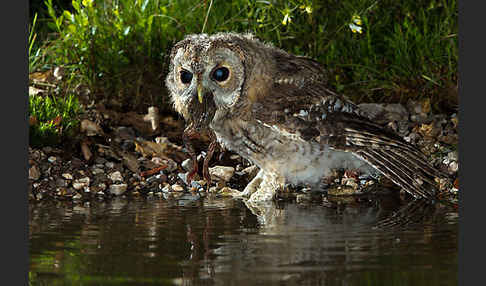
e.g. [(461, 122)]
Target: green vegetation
[(374, 50), (51, 118)]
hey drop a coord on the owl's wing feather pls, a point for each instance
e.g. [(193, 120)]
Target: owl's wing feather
[(313, 112)]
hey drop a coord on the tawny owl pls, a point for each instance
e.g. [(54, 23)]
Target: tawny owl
[(274, 109)]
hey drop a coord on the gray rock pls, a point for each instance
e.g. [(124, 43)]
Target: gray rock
[(118, 189)]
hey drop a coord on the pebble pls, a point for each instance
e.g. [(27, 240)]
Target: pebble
[(52, 159), (453, 167), (77, 196), (118, 189), (110, 165), (61, 182), (171, 165), (166, 189), (97, 171), (67, 176), (177, 188), (81, 183), (34, 173), (187, 165), (116, 176)]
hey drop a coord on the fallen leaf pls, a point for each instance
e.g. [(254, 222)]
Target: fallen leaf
[(456, 183)]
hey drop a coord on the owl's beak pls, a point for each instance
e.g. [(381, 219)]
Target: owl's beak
[(200, 93)]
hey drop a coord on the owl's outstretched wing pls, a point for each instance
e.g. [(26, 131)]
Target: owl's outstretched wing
[(307, 108)]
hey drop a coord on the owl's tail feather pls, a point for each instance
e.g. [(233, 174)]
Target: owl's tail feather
[(405, 169)]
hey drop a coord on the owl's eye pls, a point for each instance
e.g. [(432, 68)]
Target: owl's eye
[(220, 74), (186, 76)]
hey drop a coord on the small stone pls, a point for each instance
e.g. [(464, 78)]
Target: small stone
[(97, 171), (102, 186), (166, 188), (61, 182), (100, 160), (171, 165), (52, 159), (221, 173), (198, 184), (187, 165), (67, 176), (110, 165), (81, 183), (77, 196), (118, 189), (116, 176), (177, 188), (183, 177), (453, 167), (34, 173), (39, 196)]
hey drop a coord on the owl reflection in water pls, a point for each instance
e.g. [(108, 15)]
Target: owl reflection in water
[(274, 109)]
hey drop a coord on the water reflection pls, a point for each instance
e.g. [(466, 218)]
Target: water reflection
[(229, 242)]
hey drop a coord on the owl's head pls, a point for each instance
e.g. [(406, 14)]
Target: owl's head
[(207, 75)]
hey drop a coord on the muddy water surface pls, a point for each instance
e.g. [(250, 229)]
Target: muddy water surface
[(153, 241)]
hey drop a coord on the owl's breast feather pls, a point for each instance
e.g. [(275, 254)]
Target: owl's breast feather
[(277, 151)]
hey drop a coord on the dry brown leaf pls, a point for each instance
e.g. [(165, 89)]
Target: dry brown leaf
[(40, 76)]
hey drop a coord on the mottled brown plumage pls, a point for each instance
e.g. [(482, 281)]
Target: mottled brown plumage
[(274, 109)]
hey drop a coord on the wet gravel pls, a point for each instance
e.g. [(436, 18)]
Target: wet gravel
[(114, 157)]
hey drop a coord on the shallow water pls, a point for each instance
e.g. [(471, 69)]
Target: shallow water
[(152, 241)]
